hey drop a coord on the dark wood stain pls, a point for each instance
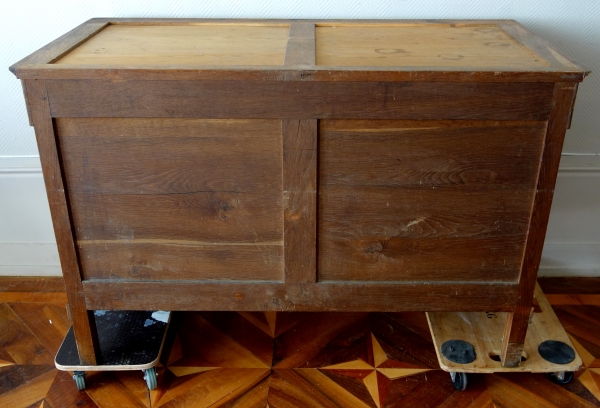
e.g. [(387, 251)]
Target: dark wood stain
[(300, 199), (326, 100), (83, 322), (516, 324)]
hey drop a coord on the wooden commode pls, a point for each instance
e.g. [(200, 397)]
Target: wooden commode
[(300, 165)]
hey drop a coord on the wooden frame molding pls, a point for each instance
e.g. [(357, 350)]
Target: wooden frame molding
[(517, 322), (331, 100), (83, 320), (309, 297)]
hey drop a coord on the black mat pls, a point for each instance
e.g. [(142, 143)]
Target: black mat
[(126, 338)]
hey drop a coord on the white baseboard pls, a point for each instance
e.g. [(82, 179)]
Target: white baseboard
[(27, 246)]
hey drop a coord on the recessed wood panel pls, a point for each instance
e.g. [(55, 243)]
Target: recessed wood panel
[(175, 198), (421, 45), (182, 45), (425, 200)]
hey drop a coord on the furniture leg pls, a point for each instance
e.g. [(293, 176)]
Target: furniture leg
[(513, 340), (83, 319)]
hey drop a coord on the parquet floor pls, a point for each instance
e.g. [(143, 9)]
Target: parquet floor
[(281, 360)]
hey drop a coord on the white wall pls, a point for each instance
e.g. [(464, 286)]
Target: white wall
[(573, 26)]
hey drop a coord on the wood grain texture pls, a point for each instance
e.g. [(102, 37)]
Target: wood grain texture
[(48, 322), (184, 45), (300, 199), (516, 325), (251, 99), (18, 343), (425, 201), (421, 45), (537, 45), (158, 260), (206, 295), (30, 393), (558, 69), (300, 48), (83, 321), (467, 155), (175, 198), (39, 284), (531, 391)]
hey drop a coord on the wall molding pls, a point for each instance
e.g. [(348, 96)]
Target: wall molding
[(18, 165)]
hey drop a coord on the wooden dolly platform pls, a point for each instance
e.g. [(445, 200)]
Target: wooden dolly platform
[(128, 341), (484, 331)]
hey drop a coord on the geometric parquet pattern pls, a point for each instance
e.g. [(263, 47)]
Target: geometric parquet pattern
[(280, 360)]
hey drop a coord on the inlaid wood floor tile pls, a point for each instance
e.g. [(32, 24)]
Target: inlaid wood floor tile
[(18, 343), (204, 345), (48, 322), (244, 332), (29, 392), (14, 376), (210, 388), (281, 360), (530, 390), (475, 396), (591, 381), (255, 397), (63, 393), (582, 323)]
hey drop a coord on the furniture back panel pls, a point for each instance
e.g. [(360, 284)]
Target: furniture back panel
[(175, 198), (425, 200)]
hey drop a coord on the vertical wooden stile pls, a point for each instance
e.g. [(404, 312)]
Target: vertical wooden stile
[(301, 45), (300, 199), (517, 322), (300, 171), (83, 320)]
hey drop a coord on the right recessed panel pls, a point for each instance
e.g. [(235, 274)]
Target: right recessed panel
[(422, 45), (425, 200)]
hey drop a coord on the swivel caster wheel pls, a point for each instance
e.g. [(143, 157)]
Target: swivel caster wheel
[(561, 377), (459, 380), (79, 377), (150, 377)]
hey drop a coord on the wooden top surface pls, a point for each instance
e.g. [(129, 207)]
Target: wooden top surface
[(422, 45), (183, 45), (386, 50)]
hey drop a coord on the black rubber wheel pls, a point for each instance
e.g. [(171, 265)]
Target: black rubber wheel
[(79, 378), (460, 381), (568, 378)]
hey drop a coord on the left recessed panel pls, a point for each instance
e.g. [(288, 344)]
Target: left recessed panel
[(132, 45), (175, 199)]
